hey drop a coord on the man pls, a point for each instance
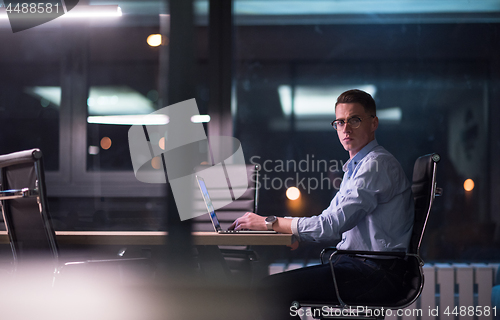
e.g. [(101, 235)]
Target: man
[(373, 210)]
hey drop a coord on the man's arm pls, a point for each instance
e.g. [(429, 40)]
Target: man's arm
[(359, 196), (253, 221)]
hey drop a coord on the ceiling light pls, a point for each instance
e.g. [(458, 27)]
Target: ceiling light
[(150, 119), (200, 118), (293, 193), (105, 11), (315, 100), (154, 40), (468, 185), (390, 114)]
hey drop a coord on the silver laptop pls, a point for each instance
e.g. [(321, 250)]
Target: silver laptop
[(213, 216)]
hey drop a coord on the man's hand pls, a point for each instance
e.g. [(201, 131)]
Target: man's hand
[(294, 245), (250, 221), (253, 221)]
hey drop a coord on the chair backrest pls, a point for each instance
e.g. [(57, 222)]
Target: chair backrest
[(24, 206), (227, 214), (424, 191)]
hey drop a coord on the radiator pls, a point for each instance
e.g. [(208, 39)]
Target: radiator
[(456, 291)]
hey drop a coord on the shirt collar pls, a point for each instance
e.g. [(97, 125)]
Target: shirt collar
[(353, 162)]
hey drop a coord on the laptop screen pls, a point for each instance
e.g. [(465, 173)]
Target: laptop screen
[(208, 203)]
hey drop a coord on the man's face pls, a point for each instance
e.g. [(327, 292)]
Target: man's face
[(354, 139)]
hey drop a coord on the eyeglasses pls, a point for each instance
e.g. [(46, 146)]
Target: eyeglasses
[(354, 122)]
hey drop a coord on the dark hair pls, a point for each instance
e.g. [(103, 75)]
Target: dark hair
[(361, 97)]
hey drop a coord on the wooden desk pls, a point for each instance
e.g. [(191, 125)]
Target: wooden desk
[(152, 238)]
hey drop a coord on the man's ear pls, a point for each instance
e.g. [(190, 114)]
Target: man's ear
[(375, 124)]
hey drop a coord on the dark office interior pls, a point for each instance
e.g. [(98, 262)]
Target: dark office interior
[(263, 72)]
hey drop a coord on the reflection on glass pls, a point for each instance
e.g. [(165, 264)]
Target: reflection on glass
[(106, 143), (111, 110), (315, 101), (29, 118), (117, 100), (154, 40), (47, 95)]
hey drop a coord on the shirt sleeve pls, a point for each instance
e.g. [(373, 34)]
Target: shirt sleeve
[(295, 230), (356, 198)]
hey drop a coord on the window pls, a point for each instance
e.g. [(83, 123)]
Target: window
[(432, 96), (30, 94)]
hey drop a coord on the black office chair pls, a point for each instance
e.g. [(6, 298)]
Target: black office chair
[(424, 190), (24, 206), (26, 216), (238, 259), (248, 202)]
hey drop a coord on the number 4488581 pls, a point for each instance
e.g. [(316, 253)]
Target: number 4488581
[(471, 311), (33, 8)]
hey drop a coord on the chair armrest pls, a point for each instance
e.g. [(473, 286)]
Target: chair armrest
[(358, 252), (108, 267), (324, 251), (18, 193), (379, 253), (104, 262), (370, 253), (110, 261)]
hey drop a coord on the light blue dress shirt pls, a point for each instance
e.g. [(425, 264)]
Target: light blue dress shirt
[(373, 209)]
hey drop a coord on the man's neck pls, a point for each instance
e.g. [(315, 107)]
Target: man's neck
[(352, 154)]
